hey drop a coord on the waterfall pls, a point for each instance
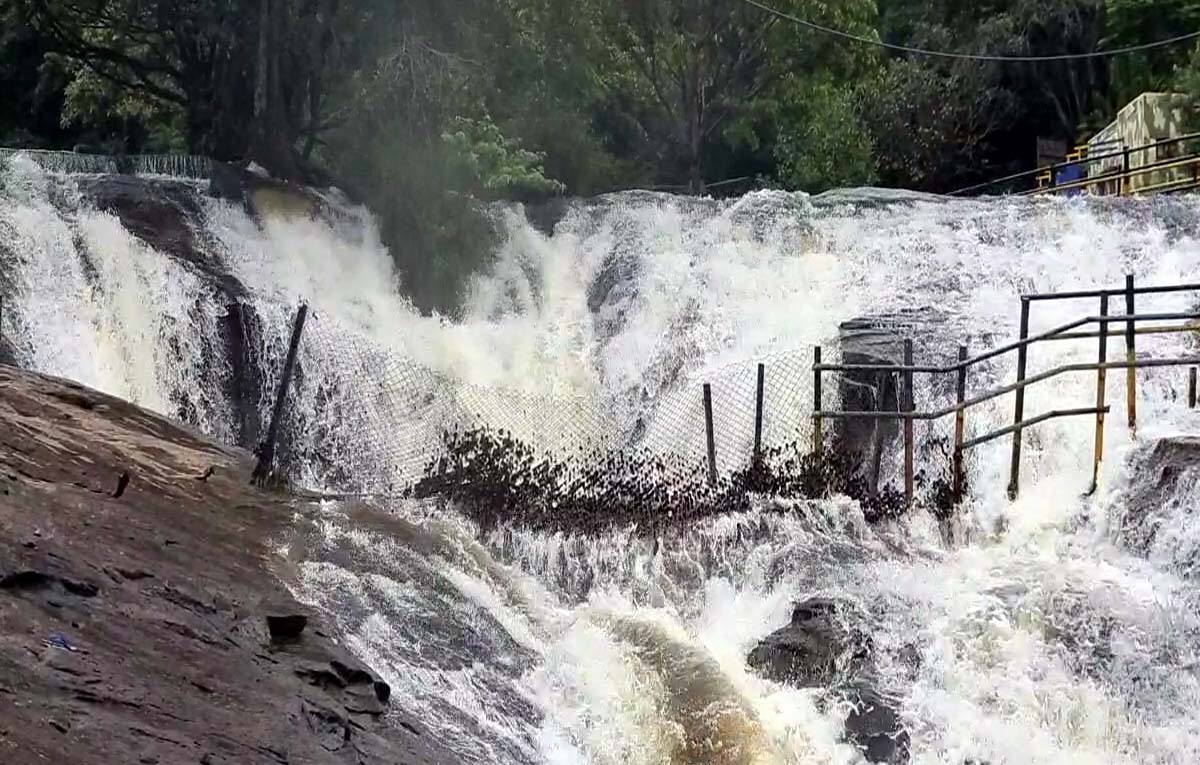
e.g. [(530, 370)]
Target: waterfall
[(1030, 632)]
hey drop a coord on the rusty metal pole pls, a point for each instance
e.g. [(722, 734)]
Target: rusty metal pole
[(266, 452), (909, 450), (1100, 392), (960, 424), (1014, 475), (758, 414), (712, 442), (1131, 357), (818, 441), (1192, 388)]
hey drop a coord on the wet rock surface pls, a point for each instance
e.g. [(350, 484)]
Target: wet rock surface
[(164, 214), (144, 611), (1164, 493), (826, 645)]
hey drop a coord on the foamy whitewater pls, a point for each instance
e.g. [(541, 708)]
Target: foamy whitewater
[(1028, 633)]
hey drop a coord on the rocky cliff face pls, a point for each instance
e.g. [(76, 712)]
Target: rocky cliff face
[(145, 613)]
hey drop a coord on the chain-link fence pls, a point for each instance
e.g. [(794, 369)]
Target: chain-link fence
[(367, 419)]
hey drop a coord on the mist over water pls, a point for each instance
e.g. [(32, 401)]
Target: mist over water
[(1029, 632)]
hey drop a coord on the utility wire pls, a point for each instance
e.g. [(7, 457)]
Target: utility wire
[(968, 56)]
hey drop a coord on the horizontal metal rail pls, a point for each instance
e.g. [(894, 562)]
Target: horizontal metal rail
[(1049, 334), (1051, 415), (1171, 330), (1166, 164), (998, 392), (1084, 160), (1157, 290)]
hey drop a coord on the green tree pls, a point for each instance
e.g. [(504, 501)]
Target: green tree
[(692, 74), (1132, 22), (247, 78)]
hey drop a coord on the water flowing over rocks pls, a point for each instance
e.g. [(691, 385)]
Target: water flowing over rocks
[(145, 616), (521, 608), (826, 645), (1161, 504)]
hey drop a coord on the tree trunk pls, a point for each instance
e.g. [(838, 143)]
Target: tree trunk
[(272, 140), (695, 118)]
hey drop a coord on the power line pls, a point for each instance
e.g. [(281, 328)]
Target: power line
[(967, 56)]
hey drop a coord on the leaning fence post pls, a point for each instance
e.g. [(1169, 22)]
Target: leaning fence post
[(960, 424), (909, 450), (1192, 388), (712, 442), (1101, 375), (758, 414), (266, 451), (817, 435), (1014, 475), (1131, 357)]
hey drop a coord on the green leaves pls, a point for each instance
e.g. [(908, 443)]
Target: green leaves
[(496, 167)]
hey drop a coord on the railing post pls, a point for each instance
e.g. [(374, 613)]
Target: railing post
[(1124, 186), (266, 451), (758, 414), (818, 441), (1014, 475), (960, 425), (1101, 374), (1131, 357), (712, 442), (1192, 388), (908, 423)]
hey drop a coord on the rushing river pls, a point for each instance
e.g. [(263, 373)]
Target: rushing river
[(1022, 632)]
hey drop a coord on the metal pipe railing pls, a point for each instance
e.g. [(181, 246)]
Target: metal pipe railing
[(1157, 289), (1010, 388), (1050, 334), (1084, 160), (1124, 175), (1126, 325)]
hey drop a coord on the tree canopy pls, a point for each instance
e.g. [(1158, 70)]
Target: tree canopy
[(428, 109)]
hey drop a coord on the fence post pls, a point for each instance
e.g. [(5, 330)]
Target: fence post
[(1014, 475), (960, 425), (758, 414), (1131, 357), (817, 435), (1125, 185), (908, 423), (1192, 388), (1101, 375), (712, 442), (266, 451)]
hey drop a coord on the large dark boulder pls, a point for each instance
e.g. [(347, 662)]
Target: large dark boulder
[(813, 648), (874, 725), (827, 645), (1164, 491), (166, 215)]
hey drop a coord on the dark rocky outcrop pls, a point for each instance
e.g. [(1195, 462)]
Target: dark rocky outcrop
[(813, 648), (164, 214), (143, 627), (262, 195), (826, 645), (1164, 487)]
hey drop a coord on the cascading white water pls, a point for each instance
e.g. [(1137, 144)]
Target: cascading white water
[(1034, 637)]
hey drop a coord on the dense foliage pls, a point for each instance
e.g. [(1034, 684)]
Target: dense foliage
[(427, 109)]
